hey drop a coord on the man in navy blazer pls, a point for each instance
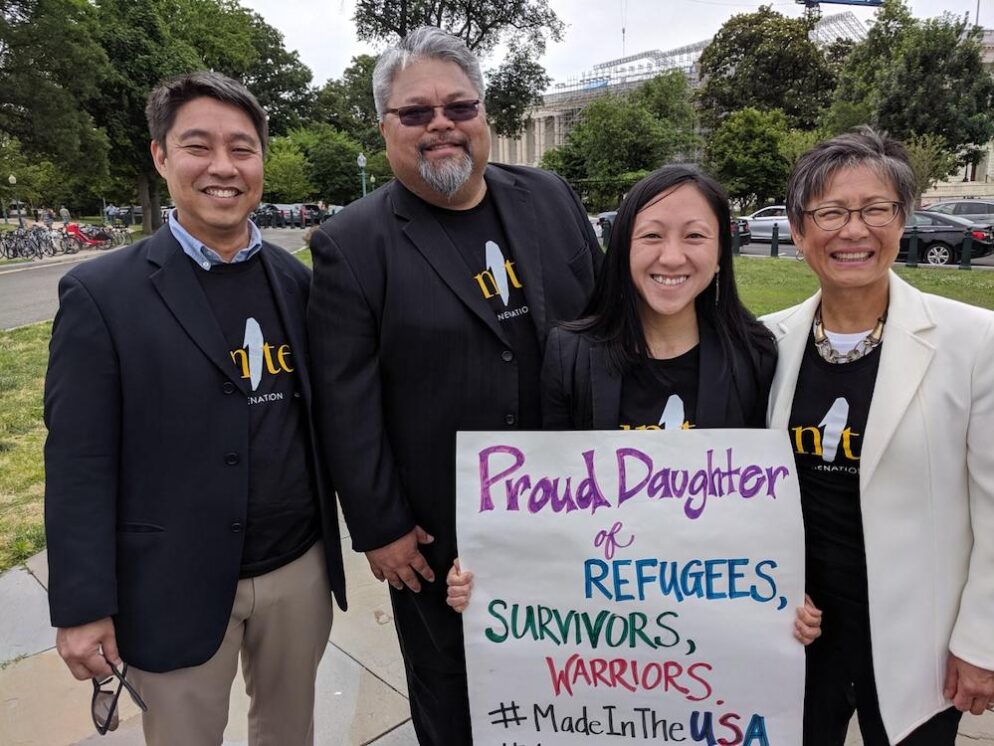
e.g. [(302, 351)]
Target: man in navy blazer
[(431, 303), (188, 517)]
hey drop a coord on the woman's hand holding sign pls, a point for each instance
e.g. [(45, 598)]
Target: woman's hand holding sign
[(460, 587)]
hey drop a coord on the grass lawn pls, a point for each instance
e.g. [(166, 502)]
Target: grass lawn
[(23, 357), (765, 284)]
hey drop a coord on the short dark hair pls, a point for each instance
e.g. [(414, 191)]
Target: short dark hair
[(169, 95), (612, 316), (863, 146)]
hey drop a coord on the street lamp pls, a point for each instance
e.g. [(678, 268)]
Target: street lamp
[(372, 182), (361, 160), (13, 185)]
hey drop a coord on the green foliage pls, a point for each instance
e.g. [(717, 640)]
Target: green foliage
[(668, 97), (513, 87), (49, 62), (798, 142), (765, 60), (747, 154), (930, 160), (347, 104), (615, 135), (482, 24), (619, 139), (843, 116), (913, 78), (277, 77), (286, 173), (331, 158)]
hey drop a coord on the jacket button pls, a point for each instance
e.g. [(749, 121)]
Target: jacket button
[(510, 419), (231, 458), (228, 387), (507, 356), (236, 527)]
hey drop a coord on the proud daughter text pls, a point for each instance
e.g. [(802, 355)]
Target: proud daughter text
[(507, 484)]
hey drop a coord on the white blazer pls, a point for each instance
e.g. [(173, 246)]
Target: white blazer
[(926, 491)]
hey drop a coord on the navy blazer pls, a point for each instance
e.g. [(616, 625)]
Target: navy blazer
[(580, 391), (147, 468)]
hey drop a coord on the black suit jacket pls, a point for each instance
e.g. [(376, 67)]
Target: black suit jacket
[(147, 468), (407, 351), (581, 392)]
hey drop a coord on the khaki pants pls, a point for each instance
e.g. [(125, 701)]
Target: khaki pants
[(280, 624)]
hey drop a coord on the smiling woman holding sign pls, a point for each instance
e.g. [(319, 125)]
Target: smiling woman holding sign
[(888, 395), (665, 342)]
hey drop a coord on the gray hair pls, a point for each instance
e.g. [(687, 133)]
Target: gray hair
[(169, 95), (425, 43), (863, 146)]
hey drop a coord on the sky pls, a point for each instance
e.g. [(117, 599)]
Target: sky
[(323, 33)]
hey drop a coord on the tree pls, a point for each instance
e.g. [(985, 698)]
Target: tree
[(766, 61), (525, 25), (331, 157), (347, 104), (911, 77), (931, 160), (668, 98), (746, 154), (277, 77), (940, 70), (286, 173), (614, 137), (512, 88), (482, 24), (50, 61)]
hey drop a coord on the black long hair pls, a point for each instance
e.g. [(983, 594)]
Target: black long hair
[(612, 317)]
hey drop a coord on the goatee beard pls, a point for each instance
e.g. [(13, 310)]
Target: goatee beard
[(447, 176)]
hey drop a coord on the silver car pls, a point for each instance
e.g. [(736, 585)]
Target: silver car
[(977, 210), (762, 221)]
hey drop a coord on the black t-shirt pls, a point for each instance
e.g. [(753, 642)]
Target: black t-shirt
[(282, 521), (827, 427), (661, 394), (482, 241)]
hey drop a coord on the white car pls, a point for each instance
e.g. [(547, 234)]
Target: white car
[(762, 221)]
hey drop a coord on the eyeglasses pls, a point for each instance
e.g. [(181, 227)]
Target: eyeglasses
[(103, 706), (875, 215), (419, 116)]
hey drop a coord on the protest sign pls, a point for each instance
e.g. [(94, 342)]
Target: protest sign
[(632, 587)]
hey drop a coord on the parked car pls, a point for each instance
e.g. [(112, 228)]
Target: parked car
[(941, 237), (762, 221), (977, 210)]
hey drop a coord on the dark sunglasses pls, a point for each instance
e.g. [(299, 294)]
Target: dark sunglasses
[(103, 706), (419, 116)]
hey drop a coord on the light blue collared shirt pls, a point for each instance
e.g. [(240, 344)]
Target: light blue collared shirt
[(206, 257)]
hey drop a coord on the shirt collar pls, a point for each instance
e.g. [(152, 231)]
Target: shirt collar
[(204, 256)]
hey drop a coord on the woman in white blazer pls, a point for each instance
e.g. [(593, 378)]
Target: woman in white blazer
[(887, 394)]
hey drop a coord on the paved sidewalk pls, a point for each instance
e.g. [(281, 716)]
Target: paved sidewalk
[(361, 688)]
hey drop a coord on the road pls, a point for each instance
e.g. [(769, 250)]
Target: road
[(29, 293)]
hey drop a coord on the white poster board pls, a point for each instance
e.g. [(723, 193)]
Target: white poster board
[(632, 587)]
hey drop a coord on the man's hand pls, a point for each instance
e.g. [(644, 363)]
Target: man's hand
[(87, 648), (969, 687), (400, 562)]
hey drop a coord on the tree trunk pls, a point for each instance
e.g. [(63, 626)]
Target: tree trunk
[(156, 202), (143, 197)]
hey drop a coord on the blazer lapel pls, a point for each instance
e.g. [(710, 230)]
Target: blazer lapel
[(289, 307), (792, 334), (517, 214), (181, 292), (605, 389), (904, 360), (434, 244), (714, 382)]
